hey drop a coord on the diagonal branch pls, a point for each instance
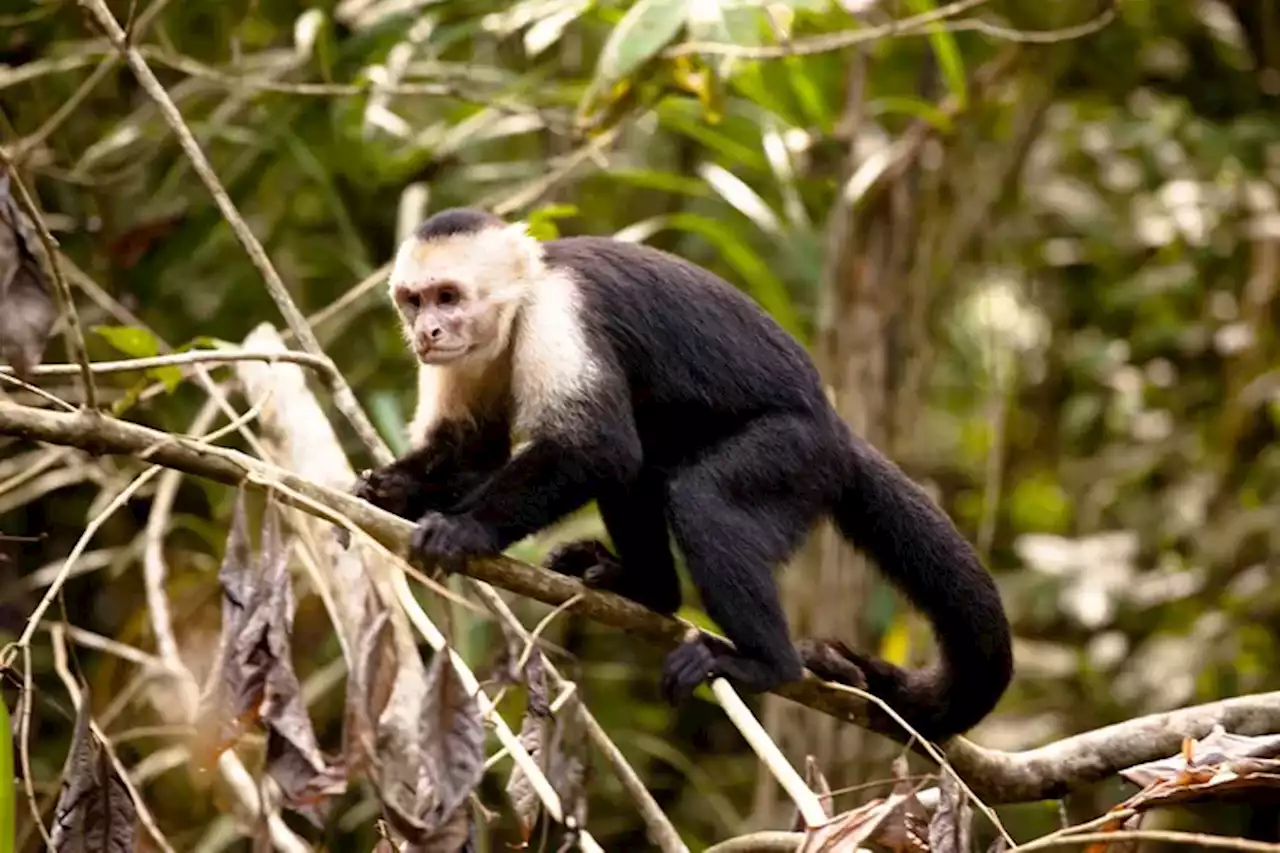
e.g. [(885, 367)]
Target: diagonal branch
[(995, 776)]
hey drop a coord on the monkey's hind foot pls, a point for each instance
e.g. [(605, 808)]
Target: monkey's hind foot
[(589, 561), (689, 664), (832, 660)]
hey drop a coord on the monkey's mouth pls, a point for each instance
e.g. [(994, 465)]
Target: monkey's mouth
[(440, 355)]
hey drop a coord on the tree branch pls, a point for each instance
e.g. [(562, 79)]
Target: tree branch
[(995, 776)]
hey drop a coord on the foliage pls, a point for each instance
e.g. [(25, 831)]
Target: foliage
[(1095, 222)]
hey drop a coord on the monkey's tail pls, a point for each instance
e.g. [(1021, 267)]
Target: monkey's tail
[(887, 516)]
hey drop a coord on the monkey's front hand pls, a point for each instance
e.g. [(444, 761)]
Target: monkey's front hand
[(389, 488), (448, 540)]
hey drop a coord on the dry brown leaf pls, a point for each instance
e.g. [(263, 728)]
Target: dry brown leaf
[(451, 836), (953, 818), (452, 737), (94, 813), (847, 832), (254, 680), (369, 686), (566, 765), (27, 310), (817, 783), (1215, 748), (534, 732)]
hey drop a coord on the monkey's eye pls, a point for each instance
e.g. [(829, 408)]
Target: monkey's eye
[(447, 296), (414, 301)]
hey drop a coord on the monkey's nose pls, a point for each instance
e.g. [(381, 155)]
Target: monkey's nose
[(437, 333)]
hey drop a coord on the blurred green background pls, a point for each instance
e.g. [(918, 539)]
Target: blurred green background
[(1037, 265)]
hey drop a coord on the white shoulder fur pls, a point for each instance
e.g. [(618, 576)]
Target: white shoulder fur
[(552, 363)]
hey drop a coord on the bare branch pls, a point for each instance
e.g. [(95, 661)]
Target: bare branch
[(996, 776)]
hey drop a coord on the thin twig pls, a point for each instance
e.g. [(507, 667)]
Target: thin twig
[(912, 25), (922, 24), (758, 739), (218, 356), (344, 397), (76, 349), (1195, 839)]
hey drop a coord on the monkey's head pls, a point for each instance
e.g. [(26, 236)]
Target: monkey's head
[(458, 282)]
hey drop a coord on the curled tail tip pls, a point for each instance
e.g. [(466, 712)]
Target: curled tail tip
[(932, 701)]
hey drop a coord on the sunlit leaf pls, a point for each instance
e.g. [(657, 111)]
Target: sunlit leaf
[(646, 28), (130, 340), (542, 220), (6, 780)]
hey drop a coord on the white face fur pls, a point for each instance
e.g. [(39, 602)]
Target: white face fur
[(458, 295), (497, 293)]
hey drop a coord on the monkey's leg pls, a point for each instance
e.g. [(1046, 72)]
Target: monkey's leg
[(737, 513), (644, 569)]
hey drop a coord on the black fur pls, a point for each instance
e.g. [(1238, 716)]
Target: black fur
[(712, 423), (454, 221)]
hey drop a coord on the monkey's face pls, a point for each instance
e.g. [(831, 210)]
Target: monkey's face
[(457, 296), (441, 319)]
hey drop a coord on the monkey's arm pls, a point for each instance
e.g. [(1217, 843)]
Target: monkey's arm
[(557, 472), (453, 461)]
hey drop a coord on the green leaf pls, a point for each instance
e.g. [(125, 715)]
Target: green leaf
[(130, 340), (541, 221), (6, 781), (170, 376), (644, 30), (947, 51), (388, 418)]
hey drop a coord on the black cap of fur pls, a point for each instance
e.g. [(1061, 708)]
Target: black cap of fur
[(455, 221)]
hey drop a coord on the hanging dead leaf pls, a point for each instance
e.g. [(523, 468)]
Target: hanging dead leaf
[(452, 737), (306, 779), (94, 813), (451, 836), (238, 580), (27, 311), (952, 819), (817, 783), (369, 686), (398, 758), (567, 768), (254, 681), (535, 730)]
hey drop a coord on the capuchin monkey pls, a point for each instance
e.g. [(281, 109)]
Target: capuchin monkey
[(632, 377)]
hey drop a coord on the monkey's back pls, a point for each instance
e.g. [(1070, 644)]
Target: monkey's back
[(698, 355)]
